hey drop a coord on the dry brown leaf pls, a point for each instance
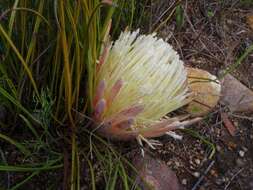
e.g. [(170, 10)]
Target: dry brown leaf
[(206, 89), (250, 21), (228, 124), (235, 95), (154, 174)]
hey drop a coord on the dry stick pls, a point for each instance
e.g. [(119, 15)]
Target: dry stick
[(151, 16), (203, 175), (203, 104), (160, 17), (241, 116), (2, 16), (166, 20), (195, 32), (233, 177), (179, 47)]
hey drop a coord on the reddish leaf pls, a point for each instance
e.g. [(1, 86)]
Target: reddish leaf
[(228, 124)]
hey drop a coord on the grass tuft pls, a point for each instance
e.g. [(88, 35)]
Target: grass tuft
[(48, 54)]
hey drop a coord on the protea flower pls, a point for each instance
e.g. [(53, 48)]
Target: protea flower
[(140, 79)]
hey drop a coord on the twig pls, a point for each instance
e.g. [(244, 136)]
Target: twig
[(233, 177), (178, 46), (241, 116), (160, 17), (197, 35), (2, 16), (203, 175)]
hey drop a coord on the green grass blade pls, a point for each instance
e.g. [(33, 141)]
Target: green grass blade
[(203, 139), (12, 18), (29, 169), (132, 13), (124, 176), (67, 71), (34, 12), (7, 79), (17, 186), (28, 71), (238, 62), (35, 30), (27, 10), (179, 16), (29, 125), (19, 146), (114, 178), (93, 182), (17, 104)]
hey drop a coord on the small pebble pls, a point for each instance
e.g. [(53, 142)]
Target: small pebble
[(197, 161), (218, 148), (169, 163), (214, 173), (218, 181), (184, 182), (177, 164), (239, 162), (241, 153), (245, 149), (196, 174)]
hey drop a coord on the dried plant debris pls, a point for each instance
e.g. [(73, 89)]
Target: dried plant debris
[(236, 95), (250, 21), (206, 91), (213, 36), (154, 174)]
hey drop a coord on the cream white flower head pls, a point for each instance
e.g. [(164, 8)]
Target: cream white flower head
[(140, 79)]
